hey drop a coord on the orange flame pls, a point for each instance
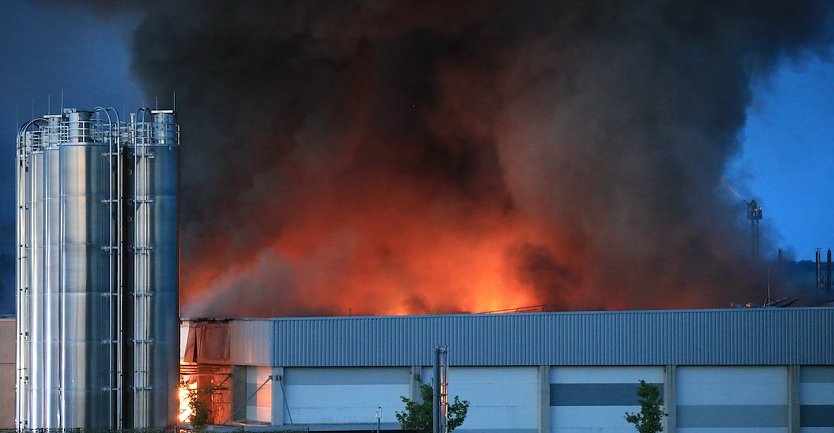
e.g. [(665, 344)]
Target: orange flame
[(185, 393)]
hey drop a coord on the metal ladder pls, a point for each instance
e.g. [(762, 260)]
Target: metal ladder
[(142, 291)]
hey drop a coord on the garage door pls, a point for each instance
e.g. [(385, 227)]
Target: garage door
[(501, 399), (732, 399), (595, 399), (343, 395), (816, 399)]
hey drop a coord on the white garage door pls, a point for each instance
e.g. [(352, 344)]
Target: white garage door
[(732, 399), (816, 399), (343, 395), (501, 399), (595, 399)]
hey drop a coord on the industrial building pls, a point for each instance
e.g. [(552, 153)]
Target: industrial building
[(766, 370), (97, 328), (97, 270)]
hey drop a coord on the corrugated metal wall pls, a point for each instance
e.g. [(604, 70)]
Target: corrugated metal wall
[(803, 336)]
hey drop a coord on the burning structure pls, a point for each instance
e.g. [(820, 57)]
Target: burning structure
[(740, 370), (97, 273), (426, 157)]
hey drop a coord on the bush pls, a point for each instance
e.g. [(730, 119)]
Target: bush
[(650, 418), (417, 416)]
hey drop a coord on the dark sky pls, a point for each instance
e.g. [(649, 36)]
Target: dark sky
[(45, 51), (785, 160)]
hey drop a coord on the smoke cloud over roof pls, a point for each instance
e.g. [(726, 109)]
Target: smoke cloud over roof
[(430, 156)]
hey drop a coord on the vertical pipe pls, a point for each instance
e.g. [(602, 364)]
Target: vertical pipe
[(435, 395), (61, 294), (22, 177), (136, 286), (52, 345), (120, 281), (828, 272), (440, 390), (18, 289), (818, 282)]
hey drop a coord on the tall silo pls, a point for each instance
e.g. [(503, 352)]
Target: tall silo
[(97, 270), (151, 170)]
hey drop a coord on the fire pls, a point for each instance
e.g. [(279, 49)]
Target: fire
[(185, 393), (403, 260)]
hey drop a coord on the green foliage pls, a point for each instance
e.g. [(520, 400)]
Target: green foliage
[(199, 407), (650, 418), (418, 417)]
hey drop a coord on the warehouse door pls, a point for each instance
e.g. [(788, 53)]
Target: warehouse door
[(344, 395), (595, 399), (732, 399), (501, 399), (816, 399)]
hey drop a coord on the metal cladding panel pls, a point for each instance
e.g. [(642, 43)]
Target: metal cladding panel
[(691, 337), (251, 342)]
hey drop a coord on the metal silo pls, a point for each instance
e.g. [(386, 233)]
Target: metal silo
[(151, 178), (97, 271)]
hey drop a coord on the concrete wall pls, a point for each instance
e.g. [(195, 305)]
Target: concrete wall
[(7, 372)]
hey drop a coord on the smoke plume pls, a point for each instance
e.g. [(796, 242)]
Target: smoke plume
[(390, 157)]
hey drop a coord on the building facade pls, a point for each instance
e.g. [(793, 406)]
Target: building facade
[(720, 371)]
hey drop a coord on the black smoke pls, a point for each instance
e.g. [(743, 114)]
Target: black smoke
[(325, 141)]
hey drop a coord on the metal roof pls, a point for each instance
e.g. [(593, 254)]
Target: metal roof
[(766, 336)]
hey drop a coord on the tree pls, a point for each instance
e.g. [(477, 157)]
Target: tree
[(200, 412), (418, 416), (650, 418)]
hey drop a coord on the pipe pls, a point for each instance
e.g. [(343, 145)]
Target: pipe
[(818, 281), (828, 272), (112, 392)]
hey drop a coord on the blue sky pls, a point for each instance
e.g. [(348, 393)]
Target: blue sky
[(44, 51), (787, 159), (785, 162)]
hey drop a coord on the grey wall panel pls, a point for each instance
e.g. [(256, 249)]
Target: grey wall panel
[(816, 398), (251, 342), (817, 415), (596, 394), (691, 337), (817, 374), (733, 416)]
